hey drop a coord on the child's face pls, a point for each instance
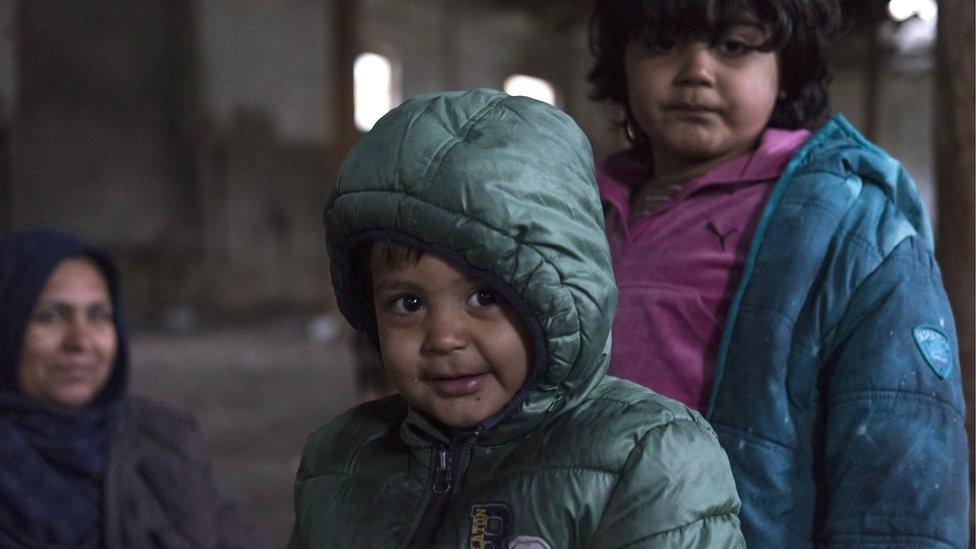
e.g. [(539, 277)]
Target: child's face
[(702, 103), (452, 347)]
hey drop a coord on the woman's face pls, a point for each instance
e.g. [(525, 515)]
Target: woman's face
[(70, 342)]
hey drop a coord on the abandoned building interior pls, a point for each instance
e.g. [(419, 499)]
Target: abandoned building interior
[(197, 141)]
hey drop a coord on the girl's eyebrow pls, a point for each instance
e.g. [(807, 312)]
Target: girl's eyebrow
[(756, 25), (752, 30), (750, 22)]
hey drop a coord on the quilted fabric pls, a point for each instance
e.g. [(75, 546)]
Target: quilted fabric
[(504, 186)]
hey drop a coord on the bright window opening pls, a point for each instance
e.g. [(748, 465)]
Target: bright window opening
[(373, 84), (530, 86), (902, 10)]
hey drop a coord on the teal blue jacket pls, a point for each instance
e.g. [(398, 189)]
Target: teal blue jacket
[(837, 390), (503, 187)]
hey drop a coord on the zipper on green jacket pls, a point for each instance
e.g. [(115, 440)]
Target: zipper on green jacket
[(442, 485), (443, 475)]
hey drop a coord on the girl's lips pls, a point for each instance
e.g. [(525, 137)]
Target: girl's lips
[(457, 386), (691, 111)]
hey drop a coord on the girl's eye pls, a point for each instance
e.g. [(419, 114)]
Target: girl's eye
[(483, 297), (733, 48), (657, 45), (406, 304)]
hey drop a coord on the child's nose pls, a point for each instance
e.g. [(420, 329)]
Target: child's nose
[(695, 65), (445, 333)]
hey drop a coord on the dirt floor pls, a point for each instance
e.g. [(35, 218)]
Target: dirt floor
[(258, 392)]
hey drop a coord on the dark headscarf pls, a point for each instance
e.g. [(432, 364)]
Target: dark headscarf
[(52, 459)]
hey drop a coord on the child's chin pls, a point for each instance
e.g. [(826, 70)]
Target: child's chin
[(456, 424), (462, 421)]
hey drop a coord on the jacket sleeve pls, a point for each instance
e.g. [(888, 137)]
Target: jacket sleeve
[(676, 490), (895, 468)]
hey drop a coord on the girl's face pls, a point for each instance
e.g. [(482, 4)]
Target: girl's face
[(71, 342), (702, 103)]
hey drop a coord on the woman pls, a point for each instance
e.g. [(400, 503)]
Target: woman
[(82, 462)]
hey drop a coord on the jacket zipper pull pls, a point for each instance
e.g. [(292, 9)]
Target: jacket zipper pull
[(442, 477)]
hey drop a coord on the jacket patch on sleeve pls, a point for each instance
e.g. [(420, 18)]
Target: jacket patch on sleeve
[(491, 526), (934, 346)]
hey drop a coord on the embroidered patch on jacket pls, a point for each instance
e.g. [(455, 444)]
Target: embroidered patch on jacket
[(491, 526), (934, 346)]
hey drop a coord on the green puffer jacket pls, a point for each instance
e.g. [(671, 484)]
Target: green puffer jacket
[(504, 185)]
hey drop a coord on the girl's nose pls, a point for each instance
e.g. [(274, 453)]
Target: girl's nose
[(445, 333), (695, 65)]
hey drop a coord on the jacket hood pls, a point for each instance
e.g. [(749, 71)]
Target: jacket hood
[(839, 142), (503, 186)]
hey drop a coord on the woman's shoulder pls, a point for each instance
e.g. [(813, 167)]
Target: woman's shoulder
[(160, 468), (146, 410), (152, 426), (153, 416)]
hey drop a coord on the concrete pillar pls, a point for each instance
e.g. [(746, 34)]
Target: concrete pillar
[(345, 36), (955, 148)]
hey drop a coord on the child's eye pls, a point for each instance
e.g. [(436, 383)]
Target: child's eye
[(406, 304), (733, 48), (657, 45), (483, 297)]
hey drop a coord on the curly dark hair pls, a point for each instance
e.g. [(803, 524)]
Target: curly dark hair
[(800, 31)]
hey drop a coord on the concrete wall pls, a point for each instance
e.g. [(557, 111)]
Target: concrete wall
[(905, 114), (8, 58), (95, 143), (271, 57), (193, 137), (265, 68), (8, 95)]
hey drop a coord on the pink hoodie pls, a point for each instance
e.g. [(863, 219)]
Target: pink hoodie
[(678, 267)]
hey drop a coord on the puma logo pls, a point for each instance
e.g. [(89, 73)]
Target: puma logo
[(710, 227)]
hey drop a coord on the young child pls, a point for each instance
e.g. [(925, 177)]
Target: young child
[(466, 238), (780, 282)]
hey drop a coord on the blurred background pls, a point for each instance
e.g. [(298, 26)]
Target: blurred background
[(196, 140)]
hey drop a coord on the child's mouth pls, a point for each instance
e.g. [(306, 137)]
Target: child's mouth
[(457, 386), (690, 111), (690, 107)]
